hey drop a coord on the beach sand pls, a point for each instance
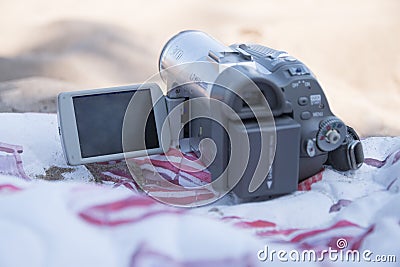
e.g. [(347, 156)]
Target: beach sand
[(52, 46)]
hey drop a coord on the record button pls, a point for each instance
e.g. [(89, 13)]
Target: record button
[(303, 101)]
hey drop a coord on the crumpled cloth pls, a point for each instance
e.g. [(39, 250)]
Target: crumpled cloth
[(78, 223)]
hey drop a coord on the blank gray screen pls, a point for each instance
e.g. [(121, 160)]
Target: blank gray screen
[(100, 117)]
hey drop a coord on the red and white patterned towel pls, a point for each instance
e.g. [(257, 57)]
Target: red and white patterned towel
[(76, 223)]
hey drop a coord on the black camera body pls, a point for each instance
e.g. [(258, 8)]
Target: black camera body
[(307, 135), (256, 117)]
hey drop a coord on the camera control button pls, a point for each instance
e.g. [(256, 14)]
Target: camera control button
[(290, 59), (310, 148), (331, 134), (305, 115), (298, 71), (303, 101)]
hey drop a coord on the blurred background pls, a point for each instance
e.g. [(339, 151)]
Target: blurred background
[(351, 45)]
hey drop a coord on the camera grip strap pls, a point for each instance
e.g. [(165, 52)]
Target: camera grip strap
[(350, 155)]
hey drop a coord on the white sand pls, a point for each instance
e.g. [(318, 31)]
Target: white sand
[(352, 46)]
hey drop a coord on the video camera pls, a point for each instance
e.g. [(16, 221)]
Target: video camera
[(256, 117)]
